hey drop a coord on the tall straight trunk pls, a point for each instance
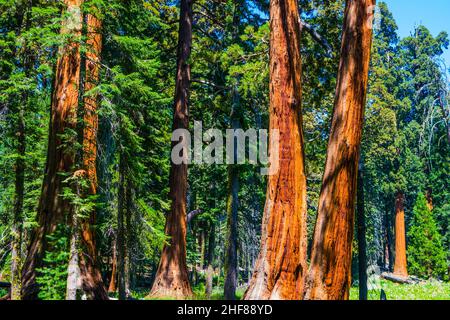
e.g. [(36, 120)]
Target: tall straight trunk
[(209, 262), (281, 265), (400, 236), (329, 274), (362, 245), (17, 230), (19, 168), (172, 277), (231, 258), (122, 250), (91, 279), (388, 256), (112, 283), (53, 209)]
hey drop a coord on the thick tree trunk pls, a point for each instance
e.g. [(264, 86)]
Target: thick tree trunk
[(362, 245), (329, 274), (91, 279), (231, 258), (400, 268), (172, 277), (281, 265), (53, 209)]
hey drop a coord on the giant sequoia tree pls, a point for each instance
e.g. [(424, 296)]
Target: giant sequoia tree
[(281, 265), (329, 274), (172, 278), (53, 209)]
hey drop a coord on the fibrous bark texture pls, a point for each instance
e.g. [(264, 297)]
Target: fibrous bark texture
[(91, 279), (53, 209), (281, 264), (329, 274), (400, 268), (172, 277)]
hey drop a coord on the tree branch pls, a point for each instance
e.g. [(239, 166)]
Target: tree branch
[(191, 215), (317, 37)]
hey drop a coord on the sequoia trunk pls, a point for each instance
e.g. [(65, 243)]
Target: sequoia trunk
[(53, 209), (172, 277), (91, 279), (281, 265), (400, 236), (329, 274)]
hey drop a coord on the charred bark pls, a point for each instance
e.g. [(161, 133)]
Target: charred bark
[(329, 274)]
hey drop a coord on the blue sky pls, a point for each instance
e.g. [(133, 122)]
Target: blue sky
[(433, 14)]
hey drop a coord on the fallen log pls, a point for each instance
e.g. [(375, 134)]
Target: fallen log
[(397, 279)]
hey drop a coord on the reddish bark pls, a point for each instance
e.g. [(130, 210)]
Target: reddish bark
[(172, 277), (281, 264), (53, 209), (329, 274), (91, 279), (400, 266)]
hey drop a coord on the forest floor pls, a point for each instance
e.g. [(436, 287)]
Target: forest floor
[(430, 290)]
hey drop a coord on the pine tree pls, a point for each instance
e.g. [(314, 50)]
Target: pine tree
[(426, 254)]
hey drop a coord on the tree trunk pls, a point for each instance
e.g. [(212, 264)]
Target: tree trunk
[(53, 209), (210, 259), (361, 228), (388, 256), (17, 229), (112, 283), (91, 279), (281, 265), (172, 277), (400, 237), (329, 274), (121, 233), (231, 259)]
